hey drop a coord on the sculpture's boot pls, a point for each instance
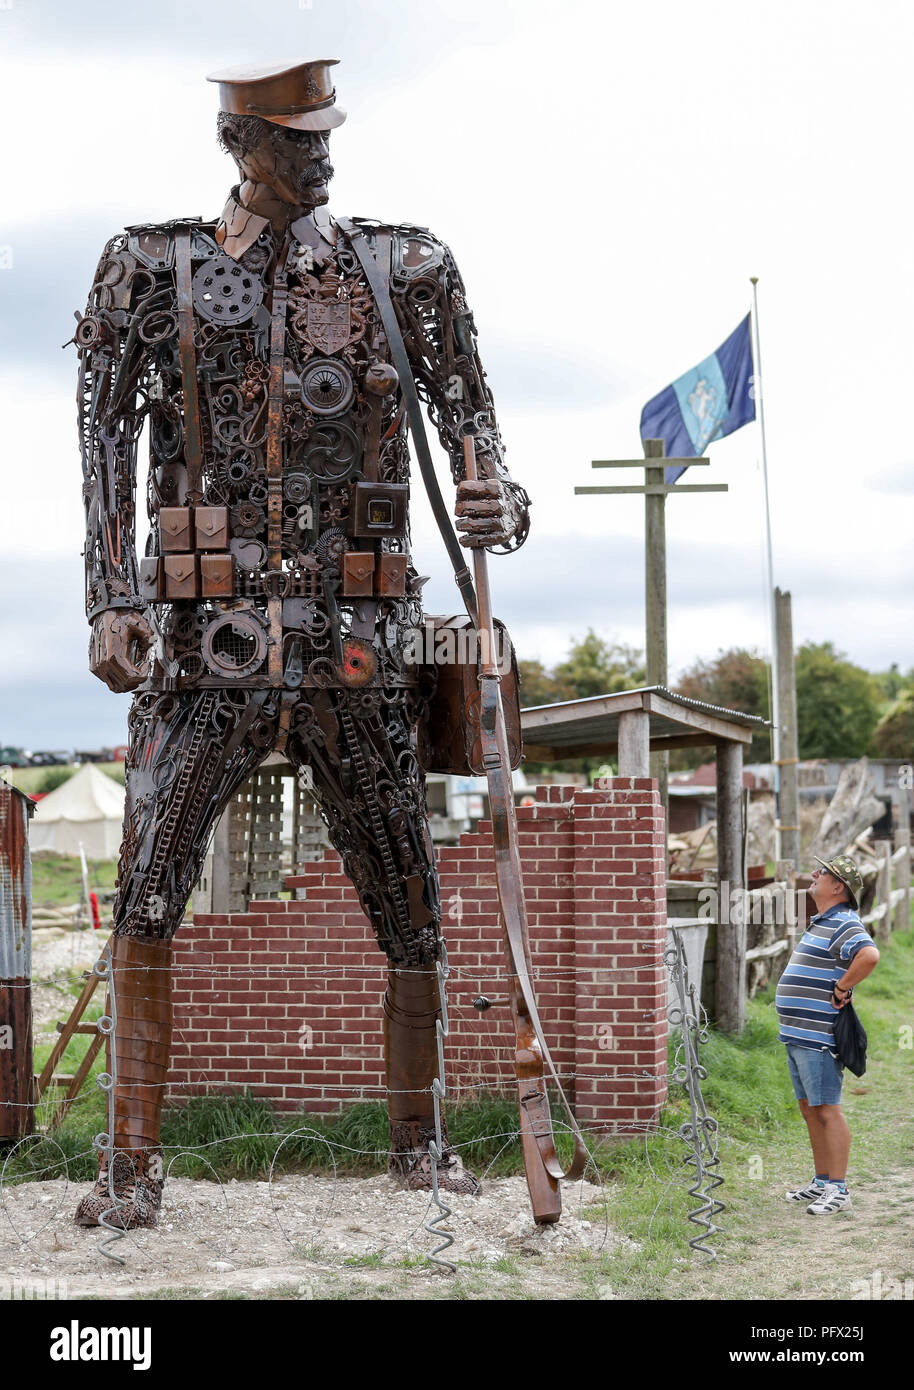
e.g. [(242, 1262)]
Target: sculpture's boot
[(141, 1046), (411, 1050)]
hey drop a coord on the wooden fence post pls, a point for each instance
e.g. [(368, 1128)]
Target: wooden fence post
[(730, 991), (883, 904), (903, 880), (785, 872)]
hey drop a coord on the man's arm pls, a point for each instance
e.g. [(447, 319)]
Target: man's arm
[(863, 964), (111, 363), (440, 337)]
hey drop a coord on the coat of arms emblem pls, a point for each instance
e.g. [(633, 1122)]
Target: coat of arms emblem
[(329, 325)]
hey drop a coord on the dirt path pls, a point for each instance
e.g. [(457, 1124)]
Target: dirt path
[(783, 1253)]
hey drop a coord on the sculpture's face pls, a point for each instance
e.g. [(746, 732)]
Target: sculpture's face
[(295, 164)]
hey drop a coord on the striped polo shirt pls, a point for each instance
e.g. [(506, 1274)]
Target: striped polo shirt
[(820, 957)]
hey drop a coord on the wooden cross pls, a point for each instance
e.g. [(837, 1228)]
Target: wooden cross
[(655, 491)]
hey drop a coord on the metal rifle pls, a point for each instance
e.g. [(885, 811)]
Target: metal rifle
[(531, 1056)]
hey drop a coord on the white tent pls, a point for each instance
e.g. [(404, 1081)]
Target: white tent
[(88, 808)]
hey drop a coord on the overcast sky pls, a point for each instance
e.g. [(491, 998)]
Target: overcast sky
[(608, 178)]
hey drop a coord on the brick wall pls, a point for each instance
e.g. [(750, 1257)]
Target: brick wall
[(285, 999)]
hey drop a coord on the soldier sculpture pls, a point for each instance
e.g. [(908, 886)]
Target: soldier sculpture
[(271, 609)]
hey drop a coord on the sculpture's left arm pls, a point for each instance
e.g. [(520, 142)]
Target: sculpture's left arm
[(440, 337)]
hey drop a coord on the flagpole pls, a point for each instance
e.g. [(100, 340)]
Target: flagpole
[(772, 677)]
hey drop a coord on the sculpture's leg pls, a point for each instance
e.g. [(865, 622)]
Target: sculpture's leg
[(372, 794), (188, 754)]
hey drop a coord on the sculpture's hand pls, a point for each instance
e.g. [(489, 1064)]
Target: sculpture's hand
[(118, 648), (488, 513)]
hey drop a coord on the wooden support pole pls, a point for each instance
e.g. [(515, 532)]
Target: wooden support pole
[(730, 1001), (785, 871), (882, 926), (903, 880), (634, 744), (789, 797), (655, 602), (655, 568)]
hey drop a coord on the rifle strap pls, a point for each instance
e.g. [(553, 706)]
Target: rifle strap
[(533, 1095), (379, 288), (274, 462), (193, 447)]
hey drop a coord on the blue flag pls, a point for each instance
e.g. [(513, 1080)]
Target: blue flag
[(713, 399)]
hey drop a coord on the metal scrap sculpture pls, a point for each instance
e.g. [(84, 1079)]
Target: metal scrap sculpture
[(273, 607)]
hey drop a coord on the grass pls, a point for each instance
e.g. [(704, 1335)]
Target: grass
[(57, 878)]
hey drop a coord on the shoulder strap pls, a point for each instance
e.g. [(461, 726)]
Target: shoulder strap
[(378, 282), (193, 448)]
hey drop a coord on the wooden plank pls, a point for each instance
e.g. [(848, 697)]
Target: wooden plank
[(712, 724), (78, 1080), (654, 489), (66, 1032), (730, 999), (594, 707), (762, 952), (557, 752), (640, 463)]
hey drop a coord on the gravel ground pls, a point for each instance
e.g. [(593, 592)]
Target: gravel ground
[(300, 1234)]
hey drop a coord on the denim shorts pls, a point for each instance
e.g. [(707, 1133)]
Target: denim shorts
[(817, 1076)]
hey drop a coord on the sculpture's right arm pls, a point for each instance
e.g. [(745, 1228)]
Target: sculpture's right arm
[(110, 420)]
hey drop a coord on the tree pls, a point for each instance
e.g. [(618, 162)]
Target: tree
[(838, 703), (596, 667), (735, 679), (592, 667), (894, 736), (892, 683), (538, 686)]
